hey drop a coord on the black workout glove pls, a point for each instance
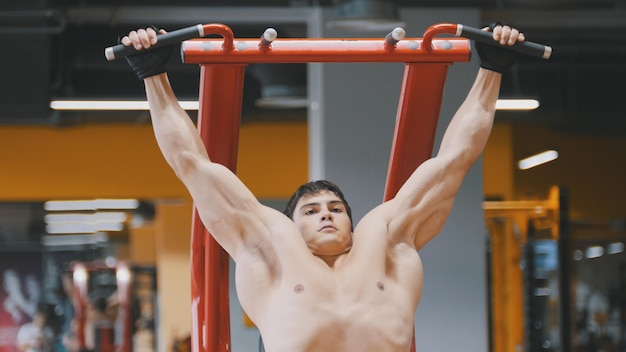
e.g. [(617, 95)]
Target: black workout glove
[(495, 58), (150, 62)]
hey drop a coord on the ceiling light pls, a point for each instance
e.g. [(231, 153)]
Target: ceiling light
[(110, 105), (85, 218), (538, 159), (68, 228), (80, 273), (77, 205), (517, 104), (297, 102), (616, 247), (594, 252)]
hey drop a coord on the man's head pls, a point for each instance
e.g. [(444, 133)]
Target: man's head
[(316, 187), (323, 218)]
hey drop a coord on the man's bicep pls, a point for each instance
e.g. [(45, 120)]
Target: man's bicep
[(435, 180), (424, 202), (227, 208)]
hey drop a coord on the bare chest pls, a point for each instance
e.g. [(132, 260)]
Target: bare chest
[(345, 310)]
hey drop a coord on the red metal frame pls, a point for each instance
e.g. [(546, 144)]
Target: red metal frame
[(80, 298), (222, 68)]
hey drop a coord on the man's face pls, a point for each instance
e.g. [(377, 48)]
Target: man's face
[(324, 223)]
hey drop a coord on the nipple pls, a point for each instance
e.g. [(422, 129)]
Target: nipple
[(380, 286), (298, 288)]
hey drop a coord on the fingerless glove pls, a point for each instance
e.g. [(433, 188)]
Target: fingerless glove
[(494, 58), (150, 62)]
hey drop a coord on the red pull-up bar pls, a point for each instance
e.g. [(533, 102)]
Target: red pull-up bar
[(222, 67)]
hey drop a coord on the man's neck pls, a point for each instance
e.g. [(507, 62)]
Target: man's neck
[(333, 260)]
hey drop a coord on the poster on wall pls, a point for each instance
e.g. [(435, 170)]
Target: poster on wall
[(19, 294)]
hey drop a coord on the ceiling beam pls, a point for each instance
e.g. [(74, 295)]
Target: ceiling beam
[(560, 19), (164, 15)]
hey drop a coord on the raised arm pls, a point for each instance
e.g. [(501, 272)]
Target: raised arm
[(227, 208), (421, 206)]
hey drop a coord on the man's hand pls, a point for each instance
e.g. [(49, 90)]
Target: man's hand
[(499, 59), (149, 63)]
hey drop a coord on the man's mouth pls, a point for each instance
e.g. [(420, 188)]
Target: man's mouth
[(326, 227)]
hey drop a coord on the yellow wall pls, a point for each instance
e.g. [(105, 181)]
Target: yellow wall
[(142, 244), (498, 164), (593, 168), (87, 161)]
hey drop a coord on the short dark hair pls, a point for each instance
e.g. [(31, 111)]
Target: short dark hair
[(315, 187)]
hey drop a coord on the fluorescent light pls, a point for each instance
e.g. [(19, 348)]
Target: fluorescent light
[(80, 274), (594, 252), (110, 105), (85, 218), (517, 104), (68, 228), (116, 203), (616, 247), (126, 105), (538, 159), (76, 205)]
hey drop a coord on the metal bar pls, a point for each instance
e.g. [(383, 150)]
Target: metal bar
[(416, 122), (219, 117), (204, 51)]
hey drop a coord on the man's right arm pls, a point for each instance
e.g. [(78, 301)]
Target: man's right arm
[(227, 208)]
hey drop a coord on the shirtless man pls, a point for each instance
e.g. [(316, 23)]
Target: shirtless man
[(307, 280)]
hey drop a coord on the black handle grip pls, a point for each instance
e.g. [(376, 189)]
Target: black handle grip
[(525, 47), (169, 38)]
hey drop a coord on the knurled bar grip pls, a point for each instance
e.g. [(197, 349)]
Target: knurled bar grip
[(525, 47), (170, 38), (459, 30)]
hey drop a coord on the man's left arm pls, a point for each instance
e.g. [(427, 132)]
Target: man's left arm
[(423, 203)]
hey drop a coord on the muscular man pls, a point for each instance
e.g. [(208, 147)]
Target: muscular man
[(307, 280)]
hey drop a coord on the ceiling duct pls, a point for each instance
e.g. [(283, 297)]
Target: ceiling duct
[(366, 15)]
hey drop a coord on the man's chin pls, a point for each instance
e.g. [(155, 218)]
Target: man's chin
[(331, 250)]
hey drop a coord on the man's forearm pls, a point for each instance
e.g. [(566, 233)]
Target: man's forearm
[(175, 132), (468, 132)]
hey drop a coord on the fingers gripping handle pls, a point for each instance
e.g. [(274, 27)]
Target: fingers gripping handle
[(525, 47), (173, 37)]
